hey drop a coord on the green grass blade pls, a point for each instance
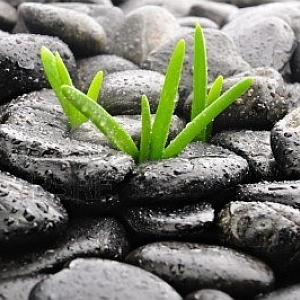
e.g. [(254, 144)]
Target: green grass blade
[(146, 130), (63, 71), (56, 73), (200, 73), (95, 86), (167, 102), (205, 117), (214, 93), (114, 132)]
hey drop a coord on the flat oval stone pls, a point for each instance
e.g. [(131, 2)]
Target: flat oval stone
[(82, 33), (200, 170), (20, 64), (18, 288), (255, 147), (35, 145), (28, 214), (285, 137), (291, 292), (86, 237), (284, 192), (218, 12), (8, 16), (268, 230), (94, 278), (190, 221), (190, 267), (141, 33), (259, 108), (88, 67), (208, 294), (121, 92), (268, 33)]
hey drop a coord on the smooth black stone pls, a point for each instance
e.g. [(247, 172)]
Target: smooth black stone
[(259, 108), (20, 64), (284, 192), (199, 171), (18, 288), (190, 266), (255, 147), (28, 214), (35, 145), (190, 221), (84, 35), (8, 16), (121, 92), (88, 67), (98, 279), (267, 230), (291, 292), (101, 237), (285, 137), (140, 33), (208, 294)]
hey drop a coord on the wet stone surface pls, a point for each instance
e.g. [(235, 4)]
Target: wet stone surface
[(28, 215), (268, 230), (208, 294), (255, 147), (20, 65), (97, 279), (121, 92), (89, 237), (82, 33), (199, 171), (187, 222), (35, 145), (285, 144), (190, 267)]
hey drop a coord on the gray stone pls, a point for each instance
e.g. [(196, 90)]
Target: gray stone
[(268, 33), (29, 215), (291, 292), (187, 221), (255, 147), (97, 279), (140, 33), (85, 237), (285, 144), (191, 21), (267, 230), (216, 11), (191, 266), (20, 64), (8, 16), (199, 171), (121, 92), (208, 294), (84, 35), (88, 67)]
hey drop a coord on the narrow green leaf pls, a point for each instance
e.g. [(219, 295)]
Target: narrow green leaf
[(214, 93), (205, 117), (146, 130), (200, 73), (56, 72), (114, 132), (63, 71), (95, 86), (167, 102)]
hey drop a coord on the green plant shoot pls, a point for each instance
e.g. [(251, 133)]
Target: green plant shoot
[(167, 102), (205, 117), (114, 132)]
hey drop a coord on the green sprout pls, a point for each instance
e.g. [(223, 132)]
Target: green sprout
[(79, 107)]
